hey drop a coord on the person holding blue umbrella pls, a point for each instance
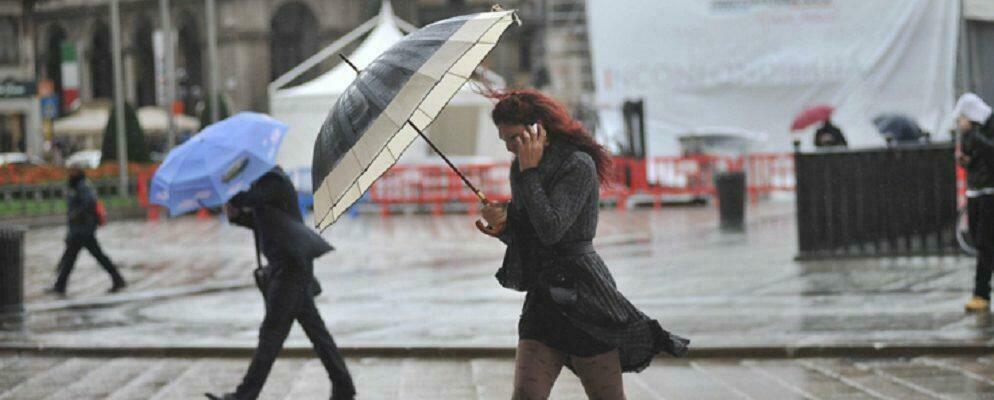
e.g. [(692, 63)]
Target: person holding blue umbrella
[(232, 163), (288, 285)]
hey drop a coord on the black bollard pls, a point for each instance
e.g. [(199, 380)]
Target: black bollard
[(11, 275), (731, 200)]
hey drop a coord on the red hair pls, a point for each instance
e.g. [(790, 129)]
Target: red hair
[(529, 106)]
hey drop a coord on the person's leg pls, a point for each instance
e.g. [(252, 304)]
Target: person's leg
[(67, 262), (601, 376), (324, 346), (93, 247), (536, 368), (983, 232), (280, 309)]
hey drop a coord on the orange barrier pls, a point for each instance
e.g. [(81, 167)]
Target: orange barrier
[(437, 185), (656, 179)]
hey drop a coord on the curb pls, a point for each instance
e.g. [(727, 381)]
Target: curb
[(148, 295), (756, 352)]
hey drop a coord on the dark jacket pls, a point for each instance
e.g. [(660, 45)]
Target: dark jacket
[(832, 133), (82, 206), (270, 208), (978, 144), (553, 206)]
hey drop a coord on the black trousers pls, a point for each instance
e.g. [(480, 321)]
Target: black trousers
[(981, 214), (75, 243), (288, 299)]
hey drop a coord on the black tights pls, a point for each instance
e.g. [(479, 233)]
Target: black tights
[(537, 367)]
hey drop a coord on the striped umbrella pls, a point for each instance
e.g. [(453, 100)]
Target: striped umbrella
[(391, 102)]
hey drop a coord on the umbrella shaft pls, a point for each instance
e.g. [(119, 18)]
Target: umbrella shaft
[(479, 194)]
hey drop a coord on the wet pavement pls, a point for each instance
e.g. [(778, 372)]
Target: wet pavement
[(423, 281), (34, 377)]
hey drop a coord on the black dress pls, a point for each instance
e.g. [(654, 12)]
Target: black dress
[(573, 304)]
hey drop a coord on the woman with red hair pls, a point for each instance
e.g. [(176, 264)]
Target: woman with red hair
[(573, 314)]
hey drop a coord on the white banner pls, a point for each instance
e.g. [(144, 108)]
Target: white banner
[(754, 64)]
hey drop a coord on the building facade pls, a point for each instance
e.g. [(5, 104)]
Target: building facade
[(66, 44), (20, 111)]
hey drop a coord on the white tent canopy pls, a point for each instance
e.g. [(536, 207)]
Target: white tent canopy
[(754, 65), (88, 123), (463, 130)]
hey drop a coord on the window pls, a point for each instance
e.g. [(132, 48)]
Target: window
[(9, 43)]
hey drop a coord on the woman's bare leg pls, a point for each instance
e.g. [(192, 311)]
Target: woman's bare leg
[(601, 376), (536, 368)]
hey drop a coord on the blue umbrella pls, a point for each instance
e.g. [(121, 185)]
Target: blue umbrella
[(222, 160)]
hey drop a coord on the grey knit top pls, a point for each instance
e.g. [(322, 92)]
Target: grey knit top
[(560, 198)]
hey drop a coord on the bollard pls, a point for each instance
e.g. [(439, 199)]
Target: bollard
[(731, 200), (11, 274)]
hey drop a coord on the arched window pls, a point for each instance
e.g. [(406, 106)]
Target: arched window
[(293, 38), (9, 41), (101, 67), (144, 63), (189, 64), (56, 36)]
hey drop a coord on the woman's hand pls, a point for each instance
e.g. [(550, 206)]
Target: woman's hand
[(494, 213), (531, 144)]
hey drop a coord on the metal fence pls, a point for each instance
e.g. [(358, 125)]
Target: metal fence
[(882, 202)]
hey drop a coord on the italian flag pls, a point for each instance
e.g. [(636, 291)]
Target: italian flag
[(70, 74)]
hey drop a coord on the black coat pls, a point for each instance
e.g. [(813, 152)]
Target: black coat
[(832, 133), (978, 144), (270, 208), (82, 209)]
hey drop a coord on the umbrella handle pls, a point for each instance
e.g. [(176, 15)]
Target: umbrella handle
[(491, 230)]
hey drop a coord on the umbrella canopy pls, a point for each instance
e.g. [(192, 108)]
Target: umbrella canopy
[(900, 127), (399, 94), (220, 161), (811, 116)]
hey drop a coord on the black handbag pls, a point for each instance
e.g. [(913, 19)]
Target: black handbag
[(263, 273)]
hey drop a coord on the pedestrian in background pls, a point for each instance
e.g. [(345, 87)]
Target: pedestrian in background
[(829, 135), (84, 216), (976, 155), (573, 314), (288, 285)]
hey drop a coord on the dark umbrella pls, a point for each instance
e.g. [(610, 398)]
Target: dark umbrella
[(391, 102), (901, 128)]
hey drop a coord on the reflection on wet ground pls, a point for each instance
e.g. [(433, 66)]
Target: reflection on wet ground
[(428, 281)]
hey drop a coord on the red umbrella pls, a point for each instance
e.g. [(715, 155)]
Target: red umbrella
[(811, 116)]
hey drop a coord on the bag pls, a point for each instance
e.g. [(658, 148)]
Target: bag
[(263, 274), (558, 279), (101, 212)]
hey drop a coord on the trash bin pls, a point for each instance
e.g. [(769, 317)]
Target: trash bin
[(731, 199), (11, 271)]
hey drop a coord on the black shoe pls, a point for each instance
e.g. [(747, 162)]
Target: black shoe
[(226, 396), (119, 286)]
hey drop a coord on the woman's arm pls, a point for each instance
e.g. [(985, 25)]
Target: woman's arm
[(554, 212)]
